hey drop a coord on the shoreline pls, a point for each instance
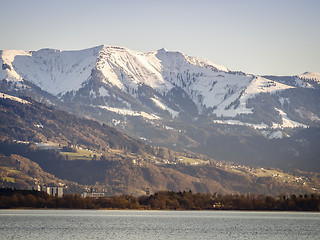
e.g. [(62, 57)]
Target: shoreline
[(161, 210)]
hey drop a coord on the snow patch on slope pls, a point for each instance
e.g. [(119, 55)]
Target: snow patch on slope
[(129, 112), (263, 85), (104, 92), (161, 105), (239, 123), (8, 71), (286, 122), (4, 96), (284, 100), (272, 135)]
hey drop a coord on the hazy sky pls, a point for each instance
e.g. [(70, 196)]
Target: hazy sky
[(255, 36)]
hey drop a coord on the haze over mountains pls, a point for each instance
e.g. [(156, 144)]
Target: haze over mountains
[(185, 103)]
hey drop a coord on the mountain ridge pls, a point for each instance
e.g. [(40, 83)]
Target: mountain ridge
[(127, 70), (166, 98)]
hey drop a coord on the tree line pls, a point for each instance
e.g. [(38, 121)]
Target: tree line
[(163, 200)]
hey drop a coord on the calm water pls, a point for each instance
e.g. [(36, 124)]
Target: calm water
[(91, 224)]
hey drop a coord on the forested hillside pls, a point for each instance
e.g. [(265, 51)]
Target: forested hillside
[(83, 153)]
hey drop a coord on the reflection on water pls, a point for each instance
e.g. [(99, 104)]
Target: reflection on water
[(100, 224)]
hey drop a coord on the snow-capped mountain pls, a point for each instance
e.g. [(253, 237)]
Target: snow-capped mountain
[(157, 83), (170, 99)]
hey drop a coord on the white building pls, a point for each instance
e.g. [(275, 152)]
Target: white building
[(54, 191)]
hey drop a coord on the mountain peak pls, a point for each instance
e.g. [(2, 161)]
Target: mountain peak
[(162, 50), (310, 75)]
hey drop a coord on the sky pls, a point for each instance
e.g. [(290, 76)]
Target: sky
[(264, 37)]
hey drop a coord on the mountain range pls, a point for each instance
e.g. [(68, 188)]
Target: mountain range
[(184, 103)]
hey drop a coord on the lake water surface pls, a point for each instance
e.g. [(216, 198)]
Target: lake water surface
[(112, 224)]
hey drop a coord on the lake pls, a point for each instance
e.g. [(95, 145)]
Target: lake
[(113, 224)]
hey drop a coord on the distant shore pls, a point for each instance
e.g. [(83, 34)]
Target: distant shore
[(163, 200)]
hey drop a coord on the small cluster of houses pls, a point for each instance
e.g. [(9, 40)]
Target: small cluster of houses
[(98, 192), (94, 192), (51, 190)]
